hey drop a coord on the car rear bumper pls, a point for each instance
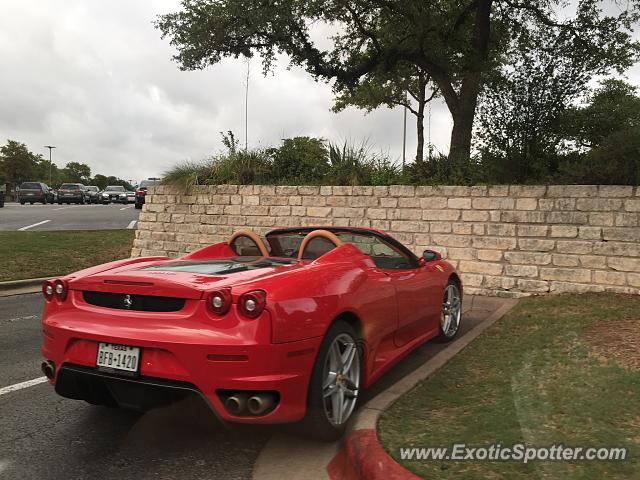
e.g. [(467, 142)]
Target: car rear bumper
[(214, 364), (101, 388), (69, 198)]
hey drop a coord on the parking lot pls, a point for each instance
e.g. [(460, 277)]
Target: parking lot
[(67, 217), (73, 440)]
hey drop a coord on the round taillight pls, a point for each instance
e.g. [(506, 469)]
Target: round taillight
[(47, 290), (60, 289), (252, 304), (219, 301)]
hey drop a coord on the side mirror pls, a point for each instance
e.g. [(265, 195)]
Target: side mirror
[(431, 256)]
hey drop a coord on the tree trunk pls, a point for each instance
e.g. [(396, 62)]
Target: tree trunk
[(462, 131), (465, 111)]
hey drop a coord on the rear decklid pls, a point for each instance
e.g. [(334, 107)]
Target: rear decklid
[(182, 279)]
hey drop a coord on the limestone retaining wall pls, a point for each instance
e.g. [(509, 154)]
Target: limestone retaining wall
[(506, 240)]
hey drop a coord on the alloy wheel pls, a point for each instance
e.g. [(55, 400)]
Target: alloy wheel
[(341, 379)]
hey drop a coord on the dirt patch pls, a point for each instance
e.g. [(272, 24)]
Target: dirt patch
[(617, 340)]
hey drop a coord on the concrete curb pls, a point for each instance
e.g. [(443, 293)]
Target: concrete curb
[(16, 287), (361, 456)]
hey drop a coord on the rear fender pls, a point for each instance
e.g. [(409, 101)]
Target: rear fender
[(217, 250)]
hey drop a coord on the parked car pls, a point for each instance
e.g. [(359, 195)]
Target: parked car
[(264, 332), (72, 193), (35, 192), (141, 191), (127, 197), (111, 194), (93, 194)]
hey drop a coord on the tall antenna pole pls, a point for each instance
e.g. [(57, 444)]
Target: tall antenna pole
[(246, 107), (429, 130)]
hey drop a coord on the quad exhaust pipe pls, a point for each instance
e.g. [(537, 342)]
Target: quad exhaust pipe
[(261, 403), (236, 404), (49, 369), (246, 403)]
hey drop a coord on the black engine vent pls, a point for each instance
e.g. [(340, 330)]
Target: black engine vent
[(144, 303)]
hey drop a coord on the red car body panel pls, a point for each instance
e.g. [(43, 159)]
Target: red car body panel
[(394, 311)]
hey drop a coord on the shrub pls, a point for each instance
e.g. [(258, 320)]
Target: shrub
[(352, 164), (301, 158), (616, 162)]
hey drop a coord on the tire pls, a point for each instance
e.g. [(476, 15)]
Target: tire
[(451, 313), (30, 203), (138, 206), (318, 423), (22, 202)]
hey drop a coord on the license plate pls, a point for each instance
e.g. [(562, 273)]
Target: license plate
[(118, 357)]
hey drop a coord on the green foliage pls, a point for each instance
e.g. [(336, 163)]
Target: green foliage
[(353, 164), (299, 160), (302, 158), (614, 107), (441, 171), (76, 172), (17, 163), (459, 43), (615, 161)]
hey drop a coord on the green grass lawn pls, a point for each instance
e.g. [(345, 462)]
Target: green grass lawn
[(555, 370), (47, 254)]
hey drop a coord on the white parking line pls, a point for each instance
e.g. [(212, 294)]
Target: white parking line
[(126, 208), (132, 224), (18, 319), (34, 225), (20, 386)]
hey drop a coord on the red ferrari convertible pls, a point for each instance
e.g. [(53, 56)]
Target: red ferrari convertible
[(265, 332)]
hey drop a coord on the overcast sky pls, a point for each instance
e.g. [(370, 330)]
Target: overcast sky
[(95, 79)]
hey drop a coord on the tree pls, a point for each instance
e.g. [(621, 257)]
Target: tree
[(391, 89), (455, 41), (100, 181), (17, 163), (612, 108), (77, 172)]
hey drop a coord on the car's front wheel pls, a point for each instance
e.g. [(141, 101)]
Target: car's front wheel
[(451, 312), (335, 383)]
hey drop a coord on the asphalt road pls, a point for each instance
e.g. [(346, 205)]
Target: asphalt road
[(45, 436), (67, 217)]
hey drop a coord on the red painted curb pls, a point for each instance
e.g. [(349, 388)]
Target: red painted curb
[(361, 457)]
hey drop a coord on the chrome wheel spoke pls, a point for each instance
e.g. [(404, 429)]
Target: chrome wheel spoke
[(335, 358), (348, 356), (329, 390), (337, 406), (330, 380)]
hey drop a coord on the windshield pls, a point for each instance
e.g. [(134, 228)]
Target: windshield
[(30, 186), (69, 186), (385, 253), (92, 189), (115, 188), (148, 183)]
